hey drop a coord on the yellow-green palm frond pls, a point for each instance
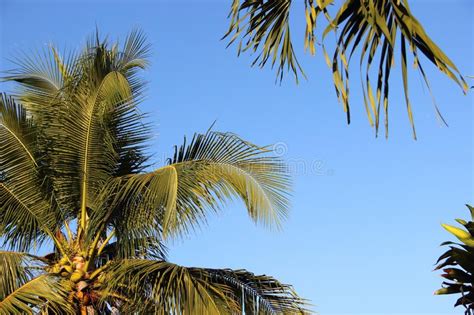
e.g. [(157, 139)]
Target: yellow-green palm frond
[(13, 271), (375, 29), (42, 292), (202, 175), (259, 294), (265, 25), (28, 213), (161, 287)]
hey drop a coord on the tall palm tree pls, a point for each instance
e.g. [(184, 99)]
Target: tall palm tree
[(372, 29), (74, 173)]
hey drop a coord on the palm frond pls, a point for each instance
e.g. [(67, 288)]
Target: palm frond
[(212, 169), (265, 25), (167, 288), (26, 216), (35, 294), (13, 273), (259, 294), (370, 27)]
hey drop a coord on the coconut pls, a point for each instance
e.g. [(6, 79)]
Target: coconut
[(78, 259), (80, 265), (64, 261), (67, 268), (77, 275), (81, 285)]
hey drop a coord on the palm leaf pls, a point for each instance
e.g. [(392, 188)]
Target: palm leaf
[(212, 169), (369, 26), (259, 294), (25, 216), (164, 287), (35, 294), (13, 273), (168, 288)]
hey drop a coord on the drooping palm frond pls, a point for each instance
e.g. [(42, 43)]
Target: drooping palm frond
[(166, 288), (368, 26), (26, 216), (212, 169), (36, 294), (13, 272), (259, 294), (169, 288), (266, 26), (459, 260)]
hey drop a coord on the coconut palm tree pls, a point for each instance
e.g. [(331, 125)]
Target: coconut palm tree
[(458, 264), (372, 30), (75, 172)]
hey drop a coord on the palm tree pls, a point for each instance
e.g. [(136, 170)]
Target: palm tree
[(369, 28), (459, 259), (74, 173)]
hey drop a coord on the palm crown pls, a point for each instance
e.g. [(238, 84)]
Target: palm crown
[(74, 172)]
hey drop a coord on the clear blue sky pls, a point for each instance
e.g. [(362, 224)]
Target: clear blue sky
[(364, 229)]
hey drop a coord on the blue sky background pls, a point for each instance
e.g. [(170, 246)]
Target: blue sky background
[(364, 229)]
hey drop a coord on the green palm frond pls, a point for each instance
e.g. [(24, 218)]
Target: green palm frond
[(457, 264), (26, 216), (370, 27), (265, 25), (259, 294), (170, 288), (212, 169), (40, 292), (166, 288), (13, 273)]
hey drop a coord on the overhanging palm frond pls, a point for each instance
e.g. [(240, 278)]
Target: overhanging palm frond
[(265, 25), (26, 216), (212, 169), (369, 26), (40, 292)]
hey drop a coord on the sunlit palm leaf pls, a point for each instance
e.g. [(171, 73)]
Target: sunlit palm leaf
[(367, 26), (13, 273), (34, 295), (26, 216), (259, 294), (212, 169), (168, 288)]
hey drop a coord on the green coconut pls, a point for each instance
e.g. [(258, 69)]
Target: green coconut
[(67, 268), (77, 275), (64, 261)]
